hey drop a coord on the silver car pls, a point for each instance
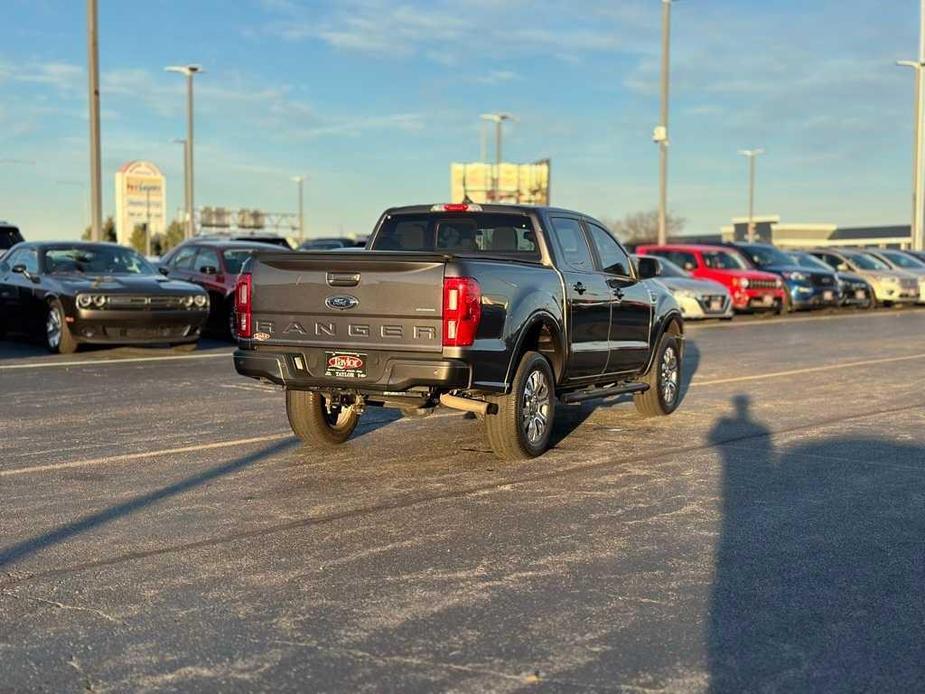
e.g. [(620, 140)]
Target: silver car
[(697, 298), (900, 260)]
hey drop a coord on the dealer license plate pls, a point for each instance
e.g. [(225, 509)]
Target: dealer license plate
[(345, 365), (716, 305), (860, 294), (828, 296), (768, 299)]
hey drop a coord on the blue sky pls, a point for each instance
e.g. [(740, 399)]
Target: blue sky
[(372, 99)]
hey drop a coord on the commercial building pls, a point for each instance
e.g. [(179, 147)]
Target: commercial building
[(796, 235), (141, 198)]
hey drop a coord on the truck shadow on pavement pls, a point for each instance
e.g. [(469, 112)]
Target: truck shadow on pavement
[(570, 417), (820, 565), (13, 553)]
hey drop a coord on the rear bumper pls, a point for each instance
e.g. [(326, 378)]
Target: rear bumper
[(388, 371)]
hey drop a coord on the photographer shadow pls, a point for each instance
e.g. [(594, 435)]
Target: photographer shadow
[(820, 566)]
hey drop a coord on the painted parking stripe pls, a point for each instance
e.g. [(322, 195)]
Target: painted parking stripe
[(110, 362), (145, 454), (808, 370)]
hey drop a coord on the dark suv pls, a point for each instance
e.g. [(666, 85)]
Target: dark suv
[(214, 265), (9, 237), (806, 287)]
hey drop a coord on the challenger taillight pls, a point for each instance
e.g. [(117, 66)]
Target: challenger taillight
[(462, 311), (243, 316)]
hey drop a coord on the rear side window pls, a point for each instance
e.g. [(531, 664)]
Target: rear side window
[(683, 259), (573, 244), (494, 234), (207, 258)]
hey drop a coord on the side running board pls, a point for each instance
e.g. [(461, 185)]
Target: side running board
[(598, 393)]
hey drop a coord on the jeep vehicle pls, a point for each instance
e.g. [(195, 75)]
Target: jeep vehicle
[(9, 237), (498, 310)]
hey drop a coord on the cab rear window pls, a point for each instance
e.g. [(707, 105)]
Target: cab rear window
[(469, 233)]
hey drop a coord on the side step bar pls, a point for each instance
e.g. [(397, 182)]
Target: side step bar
[(599, 393)]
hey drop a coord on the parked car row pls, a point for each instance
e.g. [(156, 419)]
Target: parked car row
[(760, 277)]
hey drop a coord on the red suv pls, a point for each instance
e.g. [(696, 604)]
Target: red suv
[(752, 290), (214, 265)]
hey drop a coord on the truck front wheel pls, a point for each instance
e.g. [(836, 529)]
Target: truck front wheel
[(523, 423), (314, 422), (664, 379)]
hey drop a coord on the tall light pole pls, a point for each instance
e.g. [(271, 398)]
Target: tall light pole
[(751, 155), (918, 155), (661, 132), (93, 75), (300, 180), (186, 203), (498, 119), (189, 71)]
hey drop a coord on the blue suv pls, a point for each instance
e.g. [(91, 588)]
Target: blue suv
[(806, 287)]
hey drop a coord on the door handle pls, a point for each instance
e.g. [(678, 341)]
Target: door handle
[(579, 287), (618, 293)]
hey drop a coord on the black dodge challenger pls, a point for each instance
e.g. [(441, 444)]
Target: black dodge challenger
[(101, 293)]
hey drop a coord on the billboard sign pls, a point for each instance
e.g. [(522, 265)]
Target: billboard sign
[(479, 182), (141, 198)]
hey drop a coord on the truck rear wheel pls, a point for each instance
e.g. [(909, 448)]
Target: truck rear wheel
[(313, 422), (523, 424), (664, 379)]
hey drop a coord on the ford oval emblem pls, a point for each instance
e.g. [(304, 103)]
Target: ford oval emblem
[(341, 302)]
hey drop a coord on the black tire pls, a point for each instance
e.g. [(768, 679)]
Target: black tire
[(311, 421), (523, 424), (58, 337), (664, 392)]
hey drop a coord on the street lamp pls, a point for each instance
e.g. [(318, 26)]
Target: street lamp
[(186, 203), (497, 119), (660, 136), (300, 180), (751, 155), (93, 89), (189, 71)]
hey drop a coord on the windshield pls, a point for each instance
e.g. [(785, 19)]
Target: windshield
[(669, 269), (96, 260), (721, 260), (765, 255), (504, 234), (903, 260), (809, 261), (868, 262)]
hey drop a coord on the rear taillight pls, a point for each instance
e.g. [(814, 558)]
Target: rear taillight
[(243, 317), (462, 311), (456, 207)]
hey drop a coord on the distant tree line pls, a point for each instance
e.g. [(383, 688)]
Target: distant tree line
[(642, 227), (160, 243)]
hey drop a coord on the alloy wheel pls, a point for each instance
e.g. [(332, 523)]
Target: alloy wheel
[(53, 328), (669, 376), (536, 402)]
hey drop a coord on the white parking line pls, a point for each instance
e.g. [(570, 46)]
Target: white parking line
[(108, 362), (771, 321), (810, 369), (146, 454)]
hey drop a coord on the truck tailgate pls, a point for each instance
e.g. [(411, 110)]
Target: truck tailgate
[(355, 300)]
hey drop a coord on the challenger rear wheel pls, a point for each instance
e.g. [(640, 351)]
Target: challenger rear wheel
[(315, 421)]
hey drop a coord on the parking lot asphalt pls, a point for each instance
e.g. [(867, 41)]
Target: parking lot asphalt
[(160, 528)]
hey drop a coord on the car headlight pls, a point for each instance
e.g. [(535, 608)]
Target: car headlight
[(742, 282), (889, 279), (778, 283), (99, 300), (796, 276), (186, 301), (201, 300), (84, 301)]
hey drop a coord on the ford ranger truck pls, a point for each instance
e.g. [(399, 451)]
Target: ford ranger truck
[(498, 310)]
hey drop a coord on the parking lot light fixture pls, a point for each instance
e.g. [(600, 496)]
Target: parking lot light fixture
[(189, 71), (918, 151), (751, 155), (498, 119), (661, 132)]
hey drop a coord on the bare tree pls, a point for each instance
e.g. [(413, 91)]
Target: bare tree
[(642, 227)]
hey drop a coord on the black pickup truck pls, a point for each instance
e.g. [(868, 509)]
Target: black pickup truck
[(496, 310)]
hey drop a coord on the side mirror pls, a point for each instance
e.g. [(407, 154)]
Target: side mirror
[(208, 270), (20, 269), (164, 271), (843, 267), (648, 268)]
